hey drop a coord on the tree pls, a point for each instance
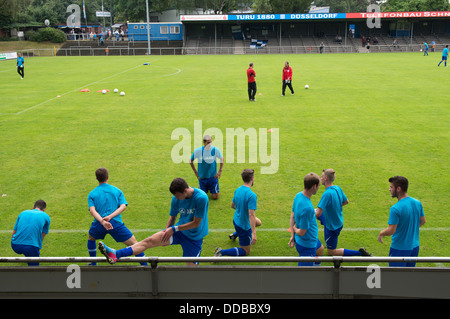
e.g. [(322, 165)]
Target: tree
[(281, 6), (339, 6), (415, 5)]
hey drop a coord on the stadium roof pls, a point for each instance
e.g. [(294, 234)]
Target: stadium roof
[(314, 16)]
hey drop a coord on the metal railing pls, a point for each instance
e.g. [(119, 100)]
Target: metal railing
[(133, 50), (337, 261)]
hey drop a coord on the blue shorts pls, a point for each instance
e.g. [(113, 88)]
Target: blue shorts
[(27, 251), (331, 237), (403, 253), (245, 235), (209, 184), (444, 58), (120, 232), (307, 252), (191, 248)]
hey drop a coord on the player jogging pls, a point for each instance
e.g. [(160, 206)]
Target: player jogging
[(191, 204), (330, 206), (405, 219), (444, 56), (287, 78)]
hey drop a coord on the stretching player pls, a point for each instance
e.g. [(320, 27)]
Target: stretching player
[(207, 174), (330, 206), (303, 223), (106, 204), (192, 206), (244, 220)]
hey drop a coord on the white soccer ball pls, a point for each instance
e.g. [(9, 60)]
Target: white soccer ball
[(122, 93), (306, 86), (104, 91), (116, 90)]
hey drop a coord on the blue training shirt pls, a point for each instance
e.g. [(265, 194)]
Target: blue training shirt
[(305, 218), (406, 215), (207, 165), (445, 52), (331, 203), (106, 199), (188, 208), (244, 199), (20, 61), (29, 227)]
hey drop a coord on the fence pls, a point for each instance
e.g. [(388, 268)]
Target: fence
[(224, 281), (135, 50)]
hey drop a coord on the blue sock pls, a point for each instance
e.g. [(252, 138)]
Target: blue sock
[(236, 251), (124, 252), (142, 263), (92, 249), (348, 252)]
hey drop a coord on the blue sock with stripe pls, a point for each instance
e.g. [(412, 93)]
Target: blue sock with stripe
[(92, 249), (348, 252), (236, 251)]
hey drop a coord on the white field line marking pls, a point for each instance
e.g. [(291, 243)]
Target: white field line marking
[(224, 230), (104, 79)]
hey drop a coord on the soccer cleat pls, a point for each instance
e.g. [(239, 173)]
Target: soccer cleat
[(109, 253), (217, 252), (232, 237), (364, 252)]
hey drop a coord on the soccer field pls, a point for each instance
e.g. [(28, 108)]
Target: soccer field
[(368, 116)]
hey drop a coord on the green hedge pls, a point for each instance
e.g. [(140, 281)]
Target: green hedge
[(46, 34)]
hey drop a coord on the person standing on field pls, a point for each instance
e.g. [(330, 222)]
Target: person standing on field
[(20, 65), (405, 219), (251, 82), (287, 78)]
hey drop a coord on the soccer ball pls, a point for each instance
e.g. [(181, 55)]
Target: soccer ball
[(122, 93), (116, 90), (306, 86), (104, 91)]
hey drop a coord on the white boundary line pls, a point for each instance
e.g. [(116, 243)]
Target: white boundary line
[(108, 77), (224, 230), (101, 80)]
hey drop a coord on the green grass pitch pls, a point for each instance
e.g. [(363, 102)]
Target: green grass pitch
[(368, 116)]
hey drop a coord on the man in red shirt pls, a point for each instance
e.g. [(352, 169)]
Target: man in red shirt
[(287, 78), (251, 82)]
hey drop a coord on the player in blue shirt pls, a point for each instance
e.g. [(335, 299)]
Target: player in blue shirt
[(444, 56), (244, 220), (330, 206), (106, 204), (191, 204), (20, 65), (405, 219), (207, 173), (29, 230), (303, 223), (425, 49)]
